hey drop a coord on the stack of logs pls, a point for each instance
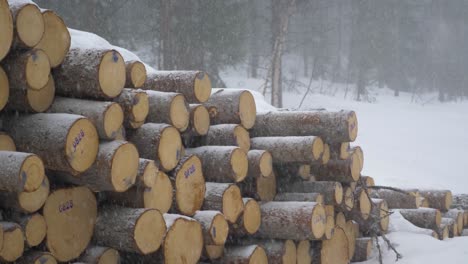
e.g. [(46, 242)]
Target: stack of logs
[(105, 160)]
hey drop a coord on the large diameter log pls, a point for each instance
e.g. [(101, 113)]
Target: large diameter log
[(27, 70), (69, 213), (260, 163), (351, 230), (100, 255), (13, 242), (115, 168), (214, 226), (261, 188), (439, 199), (423, 217), (6, 29), (232, 106), (334, 250), (227, 135), (90, 73), (169, 108), (292, 220), (290, 149), (244, 255), (194, 85), (135, 74), (20, 171), (333, 127), (159, 142), (250, 220), (36, 257), (222, 163), (107, 117), (224, 197), (299, 197), (130, 229), (56, 39), (345, 171), (34, 227), (457, 216), (28, 22), (395, 199), (31, 100), (332, 191), (363, 249), (65, 142), (135, 104), (26, 202), (4, 86), (6, 142), (189, 184)]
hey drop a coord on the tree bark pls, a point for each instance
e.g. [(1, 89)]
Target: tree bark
[(339, 150), (423, 217), (290, 149), (224, 197), (135, 104), (36, 257), (332, 251), (169, 108), (33, 226), (363, 249), (345, 171), (261, 188), (260, 164), (293, 171), (250, 220), (332, 191), (299, 197), (277, 251), (457, 216), (439, 199), (227, 135), (395, 199), (4, 85)]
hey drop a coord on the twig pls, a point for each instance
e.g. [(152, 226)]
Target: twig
[(379, 187)]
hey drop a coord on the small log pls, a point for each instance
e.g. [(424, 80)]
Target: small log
[(27, 70), (213, 252), (6, 142), (345, 171), (423, 217), (244, 255), (6, 29), (260, 163), (261, 188), (227, 135), (379, 218), (289, 171), (36, 257), (438, 199), (26, 202), (332, 251), (250, 220), (299, 197), (31, 100), (20, 171), (333, 127), (292, 220), (194, 85), (332, 191), (4, 84), (290, 149), (135, 104), (159, 142), (348, 200), (326, 154), (303, 253), (330, 223), (277, 251), (100, 255), (457, 216), (224, 197), (130, 230), (395, 199), (169, 108), (214, 226), (199, 124), (135, 74), (222, 163), (363, 249), (443, 232), (65, 142), (363, 203), (339, 150), (366, 181), (34, 227), (360, 154), (13, 242), (28, 24), (69, 212), (56, 39)]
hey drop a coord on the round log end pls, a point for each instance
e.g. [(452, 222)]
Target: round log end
[(138, 74), (233, 205), (183, 242), (56, 39), (348, 199), (41, 100), (247, 110), (448, 200), (6, 28), (112, 73), (37, 69), (352, 126), (219, 229), (304, 171), (6, 143), (45, 258), (35, 230), (344, 150), (258, 256), (330, 227), (32, 201), (326, 154), (252, 217), (214, 251), (159, 196), (150, 229), (30, 25), (384, 216), (360, 155), (32, 173), (201, 120), (4, 84), (290, 252), (124, 167), (170, 146), (335, 250), (140, 107), (266, 164), (445, 233), (239, 164), (303, 252), (190, 186), (242, 138), (318, 221), (147, 172), (110, 256), (338, 193), (82, 145), (317, 148), (266, 187), (13, 242), (355, 166), (179, 114), (438, 217), (364, 205), (202, 87), (113, 120)]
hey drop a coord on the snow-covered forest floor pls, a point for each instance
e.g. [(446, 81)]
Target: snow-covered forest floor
[(411, 142)]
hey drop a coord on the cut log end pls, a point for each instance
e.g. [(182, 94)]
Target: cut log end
[(137, 74), (239, 164), (33, 201), (384, 216), (6, 143), (259, 256), (170, 146), (219, 229), (37, 69), (110, 256), (266, 164), (112, 73), (149, 231), (4, 84), (124, 167), (364, 205), (32, 173), (251, 217), (201, 120), (303, 252), (189, 186), (6, 29), (318, 221), (183, 242), (56, 39), (140, 107), (317, 148), (147, 172), (348, 199), (355, 166), (232, 203), (202, 87), (338, 193), (352, 126), (266, 187), (82, 145), (13, 242), (179, 114), (35, 230), (113, 119), (36, 257), (30, 25), (247, 110), (242, 137), (290, 251), (335, 250), (40, 100), (159, 196), (326, 154)]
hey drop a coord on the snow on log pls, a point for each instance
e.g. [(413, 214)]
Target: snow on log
[(457, 216), (395, 199), (13, 242), (26, 202), (226, 198), (36, 257), (244, 255), (4, 85), (439, 199), (100, 255), (423, 217), (6, 28), (250, 220), (135, 74), (290, 149), (332, 191), (460, 201), (292, 171), (226, 135), (261, 188), (214, 226), (169, 108), (345, 171), (363, 249), (27, 69), (28, 23), (20, 171), (30, 100)]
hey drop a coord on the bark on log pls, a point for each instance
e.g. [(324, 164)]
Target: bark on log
[(159, 142), (30, 100), (36, 257), (4, 83), (214, 226), (130, 230), (194, 85), (423, 217), (299, 197), (290, 149), (135, 74), (26, 202), (250, 220), (339, 150), (66, 142), (260, 188), (6, 28), (232, 106), (378, 221), (460, 201), (222, 163), (28, 23), (345, 171), (6, 142), (13, 242), (69, 212), (332, 127), (366, 181), (97, 73), (395, 199), (135, 104), (169, 108), (363, 203), (244, 255), (292, 171), (224, 197), (292, 220), (363, 249), (27, 70), (100, 255), (438, 199), (260, 163), (277, 251), (33, 226), (451, 225), (226, 135), (330, 223), (20, 171), (457, 216), (56, 39), (332, 191)]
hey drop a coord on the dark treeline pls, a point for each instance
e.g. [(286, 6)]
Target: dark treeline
[(406, 45)]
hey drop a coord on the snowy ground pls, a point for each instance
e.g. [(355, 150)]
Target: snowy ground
[(407, 142)]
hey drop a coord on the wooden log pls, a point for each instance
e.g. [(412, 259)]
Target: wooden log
[(332, 251), (224, 197), (292, 220), (290, 149), (366, 181), (135, 104), (36, 257), (423, 217), (451, 226), (261, 188), (460, 201), (438, 199), (303, 253), (300, 197), (291, 171), (348, 200), (159, 142), (214, 226), (95, 73), (27, 70), (13, 242), (395, 199), (33, 226), (465, 217), (379, 218), (232, 106), (332, 191), (345, 171), (4, 84), (330, 222), (226, 135), (65, 142), (326, 154), (357, 150), (244, 255), (351, 230), (194, 85), (332, 127), (56, 39), (199, 124), (213, 252), (135, 74), (6, 142), (26, 202), (28, 23), (339, 150), (169, 108), (6, 28), (363, 249), (100, 255), (130, 229), (457, 216), (115, 169), (363, 203), (277, 251), (222, 163), (442, 233), (30, 100), (260, 163), (20, 171), (65, 208), (250, 220)]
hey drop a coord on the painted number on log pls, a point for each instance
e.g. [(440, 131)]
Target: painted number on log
[(115, 57), (189, 171), (78, 139), (66, 206)]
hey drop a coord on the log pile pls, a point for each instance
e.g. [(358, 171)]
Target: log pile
[(107, 160)]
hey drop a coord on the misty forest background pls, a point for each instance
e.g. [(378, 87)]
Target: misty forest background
[(415, 46)]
